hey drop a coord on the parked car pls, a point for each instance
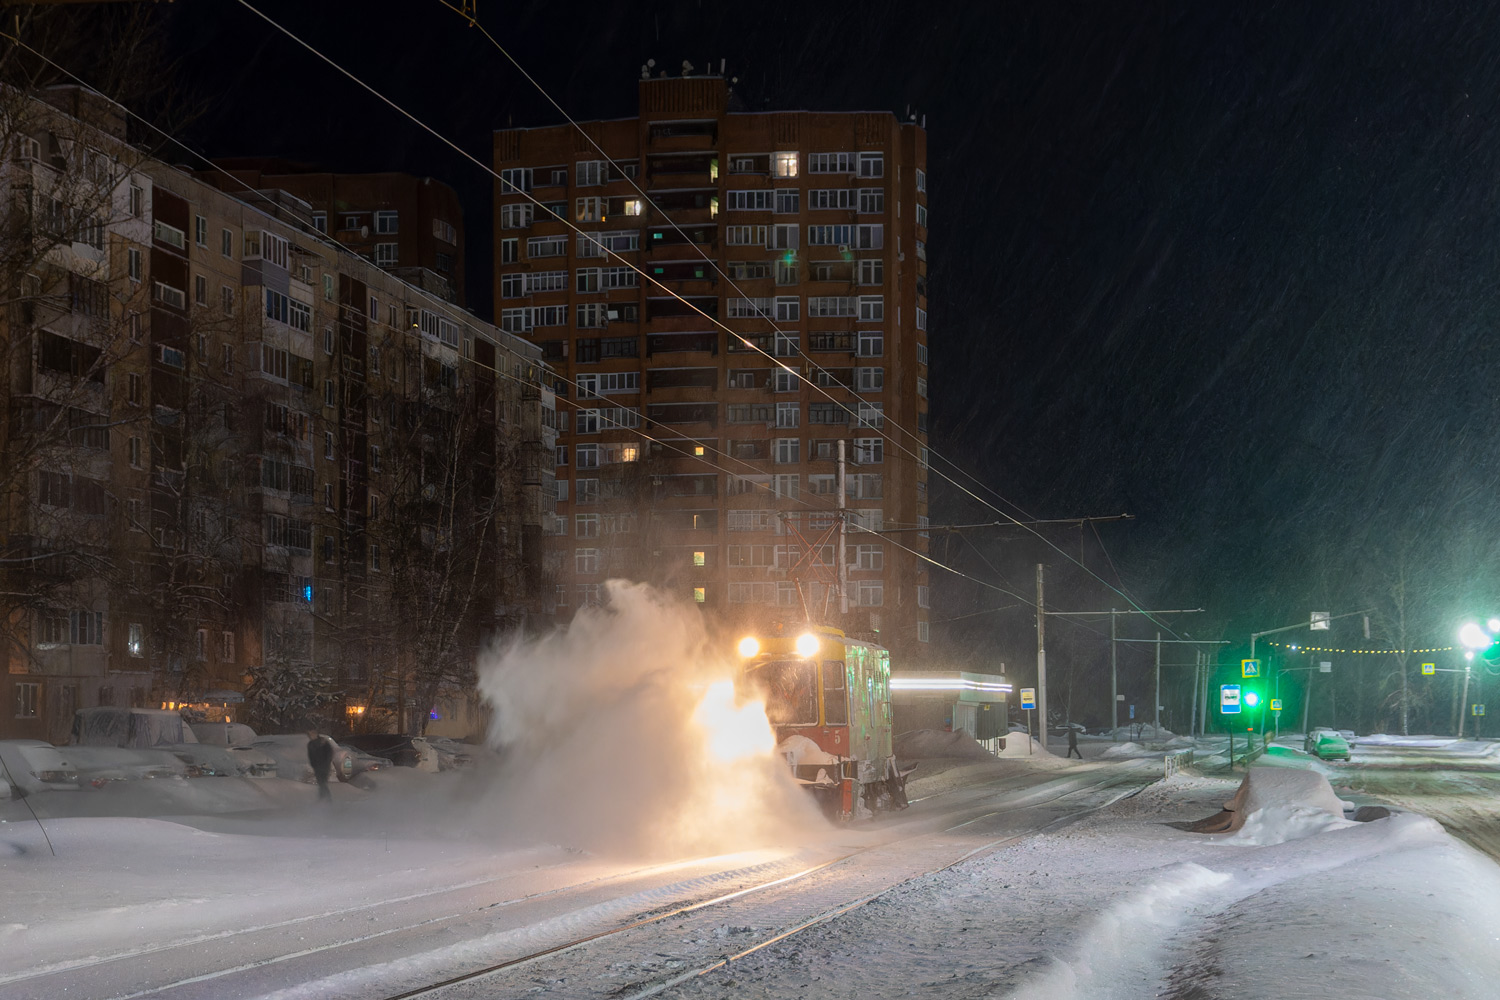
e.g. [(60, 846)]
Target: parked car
[(403, 751), (1326, 744), (289, 751), (117, 726), (32, 766), (98, 765), (237, 740)]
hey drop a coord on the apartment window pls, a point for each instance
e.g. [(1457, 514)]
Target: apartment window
[(135, 643), (924, 632), (786, 272), (871, 415), (921, 181), (788, 201), (872, 164), (133, 263), (387, 254), (700, 595), (869, 379), (871, 308), (585, 561), (328, 340), (872, 272), (330, 397), (375, 457), (588, 210), (592, 315), (749, 201), (510, 250), (788, 414), (921, 387), (200, 289), (588, 491), (517, 216), (869, 593), (830, 163), (587, 456), (869, 237), (786, 486), (387, 222), (788, 451), (782, 237), (328, 444), (320, 221), (922, 216), (86, 628), (871, 343), (328, 288), (328, 496), (374, 557), (133, 326), (784, 380), (745, 235), (133, 450), (788, 308), (137, 201), (591, 173), (511, 285), (514, 181), (28, 700), (226, 300), (784, 164), (133, 389), (226, 242), (869, 557), (830, 236)]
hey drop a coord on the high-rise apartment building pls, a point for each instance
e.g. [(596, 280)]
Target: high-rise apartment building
[(747, 291), (410, 226), (239, 465)]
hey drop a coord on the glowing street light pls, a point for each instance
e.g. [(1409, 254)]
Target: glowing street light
[(1474, 637)]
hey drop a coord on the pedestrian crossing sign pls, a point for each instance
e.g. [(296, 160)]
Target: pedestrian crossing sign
[(1428, 669), (1477, 709), (1275, 704), (1249, 668)]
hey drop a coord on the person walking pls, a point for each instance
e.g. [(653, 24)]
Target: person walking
[(1073, 743), (320, 756)]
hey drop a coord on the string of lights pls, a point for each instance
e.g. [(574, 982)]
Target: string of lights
[(1362, 652)]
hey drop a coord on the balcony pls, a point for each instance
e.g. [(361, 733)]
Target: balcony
[(831, 343)]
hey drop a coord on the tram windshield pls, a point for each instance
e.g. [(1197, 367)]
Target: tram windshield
[(790, 690)]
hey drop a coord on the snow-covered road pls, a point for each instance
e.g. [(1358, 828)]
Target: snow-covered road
[(1032, 878)]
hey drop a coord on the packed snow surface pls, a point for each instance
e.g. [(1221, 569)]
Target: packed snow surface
[(923, 744)]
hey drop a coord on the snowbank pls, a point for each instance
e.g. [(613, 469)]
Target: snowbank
[(1420, 742), (1124, 750), (1274, 805), (925, 744)]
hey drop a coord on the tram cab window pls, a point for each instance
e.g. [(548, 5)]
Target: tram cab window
[(835, 695), (790, 689)]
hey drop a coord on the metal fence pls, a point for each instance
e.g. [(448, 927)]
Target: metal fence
[(1174, 762)]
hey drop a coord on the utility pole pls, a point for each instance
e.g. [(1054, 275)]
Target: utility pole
[(1041, 660), (1193, 716), (1156, 704), (1114, 679), (1463, 705), (843, 563)]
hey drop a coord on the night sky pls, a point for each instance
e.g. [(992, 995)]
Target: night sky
[(1232, 271)]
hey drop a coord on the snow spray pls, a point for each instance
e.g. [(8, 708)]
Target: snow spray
[(618, 733)]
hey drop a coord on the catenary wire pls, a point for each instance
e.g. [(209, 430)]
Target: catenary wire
[(328, 239), (672, 293), (780, 335)]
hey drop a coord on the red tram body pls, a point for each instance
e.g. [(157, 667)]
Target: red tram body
[(828, 698)]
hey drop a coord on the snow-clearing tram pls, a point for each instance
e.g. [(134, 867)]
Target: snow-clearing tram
[(828, 698)]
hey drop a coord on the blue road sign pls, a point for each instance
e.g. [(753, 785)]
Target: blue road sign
[(1229, 699)]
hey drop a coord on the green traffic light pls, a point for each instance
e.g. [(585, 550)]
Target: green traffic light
[(1252, 699)]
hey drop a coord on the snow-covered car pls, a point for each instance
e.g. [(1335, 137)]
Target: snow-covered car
[(32, 766), (98, 765), (290, 754), (400, 750), (117, 726), (234, 739), (1326, 744)]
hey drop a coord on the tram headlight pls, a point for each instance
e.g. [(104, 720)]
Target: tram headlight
[(807, 644), (749, 646)]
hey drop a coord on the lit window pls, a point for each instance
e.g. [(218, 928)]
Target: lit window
[(699, 559), (700, 594), (784, 164)]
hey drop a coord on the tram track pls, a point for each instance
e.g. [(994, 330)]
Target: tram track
[(555, 922)]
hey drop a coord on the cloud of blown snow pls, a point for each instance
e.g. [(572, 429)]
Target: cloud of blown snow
[(618, 734)]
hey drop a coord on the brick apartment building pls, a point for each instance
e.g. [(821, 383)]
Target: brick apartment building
[(812, 224), (235, 457), (410, 226)]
